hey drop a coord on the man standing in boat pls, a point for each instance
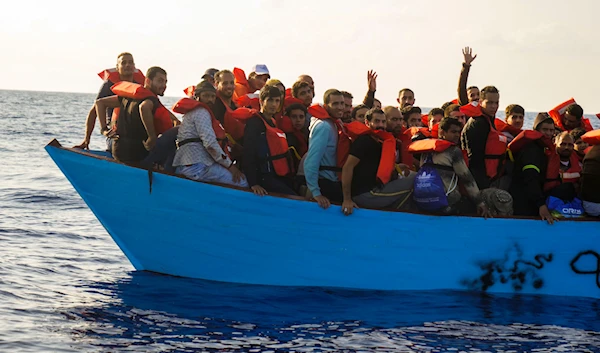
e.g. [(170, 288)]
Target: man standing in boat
[(124, 71), (136, 132)]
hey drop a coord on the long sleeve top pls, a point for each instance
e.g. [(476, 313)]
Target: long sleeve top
[(322, 147), (256, 150), (473, 140), (463, 98)]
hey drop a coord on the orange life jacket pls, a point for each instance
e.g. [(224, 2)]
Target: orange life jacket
[(405, 138), (343, 142), (554, 176), (241, 84), (388, 148), (234, 121), (278, 148), (430, 145), (113, 76), (185, 105), (189, 91), (472, 109), (162, 116), (592, 137), (249, 100), (495, 151), (425, 119), (527, 136), (285, 124), (558, 113), (502, 126)]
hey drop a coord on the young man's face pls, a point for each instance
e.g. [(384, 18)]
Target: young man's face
[(335, 107), (460, 116), (473, 95), (125, 65), (270, 106), (226, 85), (516, 120), (305, 95), (347, 107), (360, 115), (489, 104), (394, 121), (298, 119), (207, 97), (406, 98), (434, 120), (564, 147), (452, 135), (158, 84), (580, 146), (571, 122), (259, 81), (414, 120), (547, 129), (377, 122)]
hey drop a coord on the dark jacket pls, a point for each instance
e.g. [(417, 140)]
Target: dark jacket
[(529, 175), (473, 140), (463, 98), (256, 150), (590, 176)]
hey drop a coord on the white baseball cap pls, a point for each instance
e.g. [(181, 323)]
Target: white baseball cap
[(260, 69)]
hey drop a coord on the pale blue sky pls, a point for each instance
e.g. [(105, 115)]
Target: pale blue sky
[(538, 53)]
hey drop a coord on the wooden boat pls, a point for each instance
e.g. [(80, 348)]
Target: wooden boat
[(186, 228)]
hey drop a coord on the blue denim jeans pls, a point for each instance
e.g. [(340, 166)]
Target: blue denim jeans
[(214, 173)]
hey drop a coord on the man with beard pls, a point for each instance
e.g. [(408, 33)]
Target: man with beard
[(225, 84), (136, 127), (406, 97), (563, 171), (347, 117), (368, 176), (302, 91), (310, 81)]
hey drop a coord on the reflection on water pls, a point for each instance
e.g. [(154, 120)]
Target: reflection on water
[(168, 314)]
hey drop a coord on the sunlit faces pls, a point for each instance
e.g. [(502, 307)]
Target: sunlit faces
[(547, 129), (565, 146), (347, 108), (378, 121), (125, 65), (257, 82), (360, 114), (376, 103), (473, 94), (414, 120), (309, 80), (406, 98), (460, 116), (489, 104), (336, 106), (226, 85), (571, 122), (580, 146), (305, 94), (434, 120), (298, 119), (452, 135), (270, 105), (207, 97), (394, 121), (516, 120), (158, 84)]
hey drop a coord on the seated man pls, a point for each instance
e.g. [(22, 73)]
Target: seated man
[(265, 161), (580, 145), (446, 163), (358, 113), (200, 156), (563, 170), (368, 176), (590, 182), (297, 134)]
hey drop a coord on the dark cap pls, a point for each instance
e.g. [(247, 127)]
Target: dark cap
[(204, 86), (209, 73), (540, 119)]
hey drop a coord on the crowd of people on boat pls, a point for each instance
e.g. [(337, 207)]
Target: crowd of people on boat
[(250, 131)]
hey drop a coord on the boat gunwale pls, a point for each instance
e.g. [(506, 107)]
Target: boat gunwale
[(55, 143)]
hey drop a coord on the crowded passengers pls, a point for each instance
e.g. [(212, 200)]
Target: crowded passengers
[(250, 132)]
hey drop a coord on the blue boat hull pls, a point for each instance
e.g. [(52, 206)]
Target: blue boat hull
[(199, 230)]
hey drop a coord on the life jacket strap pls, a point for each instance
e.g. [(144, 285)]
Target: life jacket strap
[(330, 168), (186, 141)]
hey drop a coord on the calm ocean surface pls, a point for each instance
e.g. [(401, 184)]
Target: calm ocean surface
[(66, 287)]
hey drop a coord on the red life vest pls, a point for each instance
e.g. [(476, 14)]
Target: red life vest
[(234, 121), (189, 91), (388, 149), (425, 119), (113, 76), (554, 176), (502, 126), (430, 145), (405, 138), (472, 109), (242, 87), (526, 137), (285, 124), (162, 116), (249, 100), (558, 113), (278, 148), (495, 151), (343, 142), (185, 105), (592, 137)]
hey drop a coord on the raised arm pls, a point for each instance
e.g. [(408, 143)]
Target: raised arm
[(463, 98), (369, 99)]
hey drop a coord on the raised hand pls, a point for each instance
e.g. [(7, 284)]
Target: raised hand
[(372, 80), (468, 55)]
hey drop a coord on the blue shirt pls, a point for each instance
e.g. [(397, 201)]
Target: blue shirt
[(322, 147)]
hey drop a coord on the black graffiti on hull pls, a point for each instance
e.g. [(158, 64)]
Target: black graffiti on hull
[(517, 272), (595, 271)]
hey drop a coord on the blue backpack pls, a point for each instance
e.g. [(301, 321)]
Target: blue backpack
[(565, 209), (429, 192)]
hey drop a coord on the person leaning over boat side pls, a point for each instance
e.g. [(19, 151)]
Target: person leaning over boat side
[(471, 94), (485, 145), (135, 127), (406, 97), (125, 71), (347, 117), (449, 163), (321, 162), (200, 156), (265, 156), (580, 145), (529, 173), (368, 176), (590, 181)]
